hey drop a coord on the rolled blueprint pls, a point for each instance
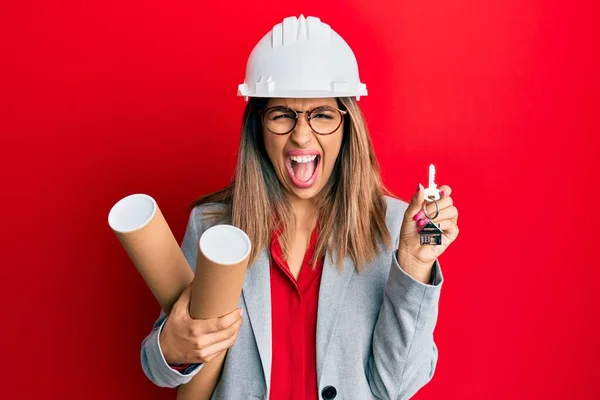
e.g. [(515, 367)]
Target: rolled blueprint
[(141, 228), (220, 271)]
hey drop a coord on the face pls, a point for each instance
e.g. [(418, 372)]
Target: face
[(303, 160)]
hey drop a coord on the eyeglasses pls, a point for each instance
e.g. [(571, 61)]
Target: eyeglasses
[(282, 120)]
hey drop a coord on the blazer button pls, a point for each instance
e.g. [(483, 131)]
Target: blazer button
[(329, 393)]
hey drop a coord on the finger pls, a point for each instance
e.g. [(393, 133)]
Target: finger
[(445, 191), (443, 203), (447, 213), (212, 350), (216, 337), (224, 322), (450, 228), (414, 207)]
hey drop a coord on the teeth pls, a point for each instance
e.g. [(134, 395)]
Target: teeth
[(303, 159)]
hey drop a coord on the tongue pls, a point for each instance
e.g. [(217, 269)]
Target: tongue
[(303, 171)]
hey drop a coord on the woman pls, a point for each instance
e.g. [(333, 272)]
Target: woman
[(340, 299)]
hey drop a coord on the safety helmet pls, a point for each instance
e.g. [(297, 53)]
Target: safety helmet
[(302, 58)]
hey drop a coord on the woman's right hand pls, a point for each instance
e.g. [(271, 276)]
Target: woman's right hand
[(186, 340)]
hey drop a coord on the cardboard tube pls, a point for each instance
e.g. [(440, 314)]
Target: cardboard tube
[(220, 271), (221, 265), (142, 230)]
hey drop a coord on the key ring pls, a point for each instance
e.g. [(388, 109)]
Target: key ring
[(437, 210)]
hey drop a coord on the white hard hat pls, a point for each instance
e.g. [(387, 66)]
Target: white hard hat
[(302, 58)]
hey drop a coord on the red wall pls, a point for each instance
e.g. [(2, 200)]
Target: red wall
[(100, 99)]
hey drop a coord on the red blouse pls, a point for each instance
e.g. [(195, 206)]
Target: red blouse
[(294, 325)]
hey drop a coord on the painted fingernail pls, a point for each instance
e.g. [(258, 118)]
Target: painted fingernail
[(421, 223), (419, 215), (241, 313), (443, 193)]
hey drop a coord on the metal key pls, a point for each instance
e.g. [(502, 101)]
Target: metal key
[(432, 192)]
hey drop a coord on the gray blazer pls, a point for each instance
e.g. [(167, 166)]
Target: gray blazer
[(374, 328)]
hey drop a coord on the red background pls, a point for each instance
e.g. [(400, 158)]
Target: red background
[(100, 99)]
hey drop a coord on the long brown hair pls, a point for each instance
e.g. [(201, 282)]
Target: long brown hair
[(351, 205)]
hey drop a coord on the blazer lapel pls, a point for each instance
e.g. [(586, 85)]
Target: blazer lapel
[(257, 296), (331, 294)]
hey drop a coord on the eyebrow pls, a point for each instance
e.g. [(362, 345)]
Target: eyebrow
[(309, 107)]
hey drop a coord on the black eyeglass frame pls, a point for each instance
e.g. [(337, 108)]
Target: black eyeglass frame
[(264, 113)]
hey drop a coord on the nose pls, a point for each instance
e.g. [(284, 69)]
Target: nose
[(302, 133)]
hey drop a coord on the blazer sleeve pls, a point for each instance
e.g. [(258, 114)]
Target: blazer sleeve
[(154, 365), (404, 354)]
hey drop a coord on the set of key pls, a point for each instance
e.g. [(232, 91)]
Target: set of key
[(431, 233)]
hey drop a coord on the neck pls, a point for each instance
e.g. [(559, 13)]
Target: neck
[(306, 213)]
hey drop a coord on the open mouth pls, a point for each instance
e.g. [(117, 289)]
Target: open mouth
[(303, 170)]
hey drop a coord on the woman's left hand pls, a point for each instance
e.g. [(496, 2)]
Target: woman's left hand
[(414, 258)]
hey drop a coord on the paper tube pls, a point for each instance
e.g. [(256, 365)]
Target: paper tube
[(141, 228), (220, 271)]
